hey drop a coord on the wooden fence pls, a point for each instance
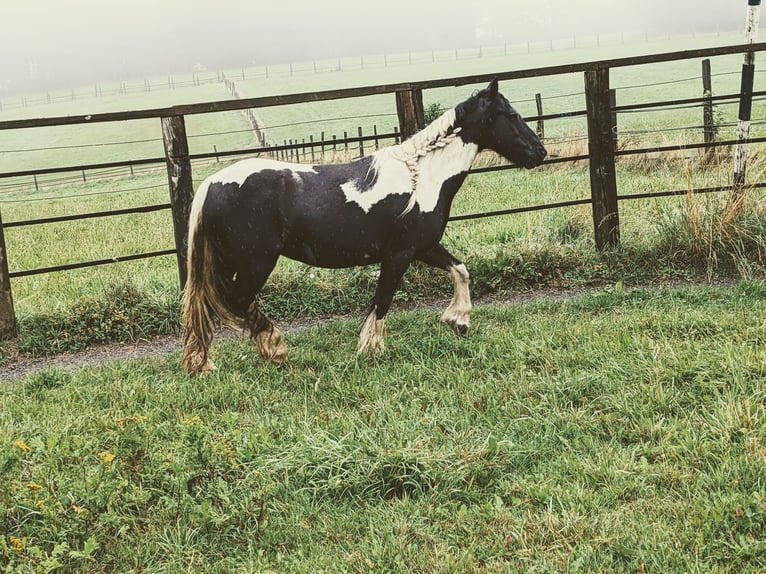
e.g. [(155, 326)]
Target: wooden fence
[(600, 112)]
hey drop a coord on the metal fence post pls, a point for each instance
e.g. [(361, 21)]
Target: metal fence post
[(708, 117), (746, 94), (540, 122), (7, 313), (603, 180), (181, 186)]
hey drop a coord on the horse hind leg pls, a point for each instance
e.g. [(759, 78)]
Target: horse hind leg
[(266, 337)]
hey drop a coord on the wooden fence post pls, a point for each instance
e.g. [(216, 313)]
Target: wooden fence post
[(7, 314), (612, 105), (323, 144), (409, 107), (603, 180), (181, 186)]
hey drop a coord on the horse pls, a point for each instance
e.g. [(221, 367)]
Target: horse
[(388, 208)]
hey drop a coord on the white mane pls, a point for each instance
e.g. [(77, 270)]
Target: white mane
[(429, 158), (437, 135)]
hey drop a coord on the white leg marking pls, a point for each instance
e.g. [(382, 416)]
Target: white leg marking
[(458, 314), (371, 337)]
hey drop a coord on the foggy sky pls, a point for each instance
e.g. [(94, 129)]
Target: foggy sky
[(64, 43)]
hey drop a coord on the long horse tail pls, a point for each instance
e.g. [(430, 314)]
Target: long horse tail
[(204, 295)]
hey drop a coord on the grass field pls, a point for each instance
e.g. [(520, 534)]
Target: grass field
[(616, 432)]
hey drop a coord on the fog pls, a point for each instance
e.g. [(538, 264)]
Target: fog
[(64, 43)]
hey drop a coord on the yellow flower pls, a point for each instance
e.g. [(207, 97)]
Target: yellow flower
[(22, 446), (106, 457), (194, 421), (34, 487), (17, 543), (39, 503)]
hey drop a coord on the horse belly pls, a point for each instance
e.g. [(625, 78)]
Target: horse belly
[(331, 251), (352, 242)]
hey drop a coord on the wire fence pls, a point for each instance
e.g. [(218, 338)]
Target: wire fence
[(298, 150), (294, 149)]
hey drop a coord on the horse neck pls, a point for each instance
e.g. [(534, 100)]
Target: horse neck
[(433, 155), (435, 135)]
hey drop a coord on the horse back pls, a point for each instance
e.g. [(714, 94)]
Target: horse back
[(337, 215)]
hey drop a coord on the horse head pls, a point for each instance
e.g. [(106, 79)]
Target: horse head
[(488, 120)]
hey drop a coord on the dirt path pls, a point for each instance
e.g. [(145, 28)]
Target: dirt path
[(164, 345)]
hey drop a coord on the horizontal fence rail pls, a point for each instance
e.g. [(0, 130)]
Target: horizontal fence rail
[(601, 112)]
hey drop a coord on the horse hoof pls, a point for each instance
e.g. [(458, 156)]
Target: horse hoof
[(208, 367), (460, 328), (270, 346), (278, 357), (371, 349), (371, 339), (193, 364)]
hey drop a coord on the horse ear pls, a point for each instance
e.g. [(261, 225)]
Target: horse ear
[(493, 89)]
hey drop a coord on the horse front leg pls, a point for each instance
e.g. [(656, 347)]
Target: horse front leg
[(391, 271), (458, 313)]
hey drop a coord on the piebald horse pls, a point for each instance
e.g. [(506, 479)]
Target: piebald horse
[(389, 208)]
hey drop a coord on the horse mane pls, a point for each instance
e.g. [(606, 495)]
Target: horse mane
[(436, 135)]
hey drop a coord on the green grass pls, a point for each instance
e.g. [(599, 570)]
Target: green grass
[(620, 431)]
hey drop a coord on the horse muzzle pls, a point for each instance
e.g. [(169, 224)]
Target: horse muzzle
[(536, 158)]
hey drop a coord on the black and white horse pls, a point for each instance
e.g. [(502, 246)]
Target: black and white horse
[(389, 208)]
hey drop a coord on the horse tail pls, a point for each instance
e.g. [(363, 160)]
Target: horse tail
[(203, 298)]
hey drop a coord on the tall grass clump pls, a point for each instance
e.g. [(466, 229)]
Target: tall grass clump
[(121, 312), (716, 232)]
